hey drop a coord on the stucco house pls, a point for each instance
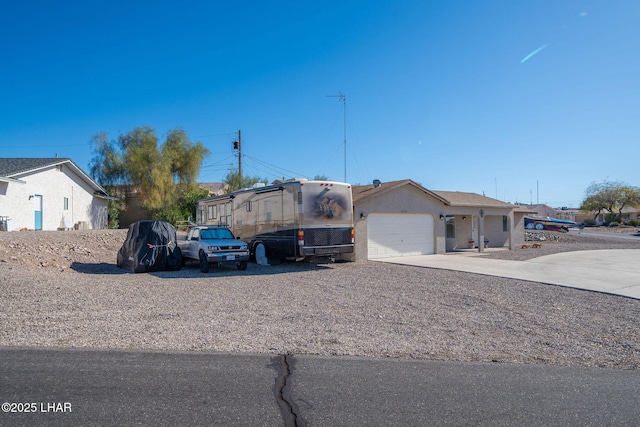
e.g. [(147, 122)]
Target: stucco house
[(545, 210), (402, 218), (49, 194)]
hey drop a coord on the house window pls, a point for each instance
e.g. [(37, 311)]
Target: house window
[(212, 211), (66, 204), (505, 223), (450, 222)]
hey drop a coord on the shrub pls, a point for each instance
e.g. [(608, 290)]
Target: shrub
[(611, 217), (589, 222), (633, 222), (614, 224), (114, 207)]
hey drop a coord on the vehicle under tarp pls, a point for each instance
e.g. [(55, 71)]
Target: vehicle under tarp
[(150, 246)]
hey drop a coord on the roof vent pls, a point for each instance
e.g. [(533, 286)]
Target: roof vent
[(376, 183)]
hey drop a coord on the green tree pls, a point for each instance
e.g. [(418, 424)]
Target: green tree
[(592, 204), (189, 200), (610, 195), (183, 157), (107, 167), (235, 181), (320, 178), (146, 168), (160, 174), (108, 170)]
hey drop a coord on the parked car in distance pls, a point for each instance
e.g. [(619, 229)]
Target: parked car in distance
[(214, 245)]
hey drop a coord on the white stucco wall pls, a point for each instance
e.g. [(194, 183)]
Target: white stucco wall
[(53, 184)]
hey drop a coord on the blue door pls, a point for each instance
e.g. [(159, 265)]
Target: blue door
[(37, 209)]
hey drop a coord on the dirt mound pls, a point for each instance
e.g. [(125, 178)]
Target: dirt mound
[(59, 249)]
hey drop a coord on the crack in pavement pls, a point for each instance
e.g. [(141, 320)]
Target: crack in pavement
[(282, 390)]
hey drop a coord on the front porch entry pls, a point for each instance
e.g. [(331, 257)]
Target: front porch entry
[(477, 232)]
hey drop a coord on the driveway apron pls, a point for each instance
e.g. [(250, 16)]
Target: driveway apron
[(615, 271)]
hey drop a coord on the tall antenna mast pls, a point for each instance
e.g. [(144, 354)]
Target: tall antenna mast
[(343, 98)]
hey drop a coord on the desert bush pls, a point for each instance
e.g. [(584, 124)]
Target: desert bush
[(633, 222), (614, 224), (589, 222), (611, 217)]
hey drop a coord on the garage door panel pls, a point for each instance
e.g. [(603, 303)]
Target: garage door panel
[(392, 235)]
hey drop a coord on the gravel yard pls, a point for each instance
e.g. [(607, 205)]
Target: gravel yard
[(62, 289)]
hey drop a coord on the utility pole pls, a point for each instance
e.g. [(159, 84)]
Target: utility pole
[(343, 98), (237, 145)]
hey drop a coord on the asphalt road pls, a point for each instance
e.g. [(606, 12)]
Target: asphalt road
[(87, 387), (587, 232)]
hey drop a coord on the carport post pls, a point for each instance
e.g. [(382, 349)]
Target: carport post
[(511, 224), (481, 231)]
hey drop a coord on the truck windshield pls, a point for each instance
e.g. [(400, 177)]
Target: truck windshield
[(220, 233)]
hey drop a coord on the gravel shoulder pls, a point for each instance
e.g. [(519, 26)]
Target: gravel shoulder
[(62, 289)]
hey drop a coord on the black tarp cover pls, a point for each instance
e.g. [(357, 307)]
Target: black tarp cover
[(150, 246)]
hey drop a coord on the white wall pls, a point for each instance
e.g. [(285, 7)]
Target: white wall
[(54, 184)]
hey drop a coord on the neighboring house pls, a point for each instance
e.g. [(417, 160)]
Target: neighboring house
[(402, 218), (49, 194), (600, 218), (630, 213), (546, 211), (562, 213)]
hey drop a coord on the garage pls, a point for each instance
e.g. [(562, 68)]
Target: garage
[(396, 235)]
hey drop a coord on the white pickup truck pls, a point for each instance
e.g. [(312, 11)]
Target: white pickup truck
[(214, 245)]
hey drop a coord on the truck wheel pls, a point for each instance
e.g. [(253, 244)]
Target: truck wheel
[(242, 265), (204, 263)]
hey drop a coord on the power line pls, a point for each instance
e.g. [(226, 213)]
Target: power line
[(275, 168), (218, 163), (215, 134)]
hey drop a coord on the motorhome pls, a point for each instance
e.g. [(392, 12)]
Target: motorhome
[(294, 219)]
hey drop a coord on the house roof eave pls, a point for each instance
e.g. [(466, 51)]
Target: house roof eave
[(365, 191), (37, 164), (11, 180)]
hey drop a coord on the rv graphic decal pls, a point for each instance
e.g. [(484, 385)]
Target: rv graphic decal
[(329, 207)]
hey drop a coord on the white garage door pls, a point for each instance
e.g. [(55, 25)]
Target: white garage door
[(393, 235)]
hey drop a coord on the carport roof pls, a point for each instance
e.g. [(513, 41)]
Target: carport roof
[(449, 198)]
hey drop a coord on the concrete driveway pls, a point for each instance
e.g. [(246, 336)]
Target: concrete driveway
[(615, 271)]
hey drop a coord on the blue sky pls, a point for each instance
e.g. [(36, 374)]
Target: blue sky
[(523, 101)]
